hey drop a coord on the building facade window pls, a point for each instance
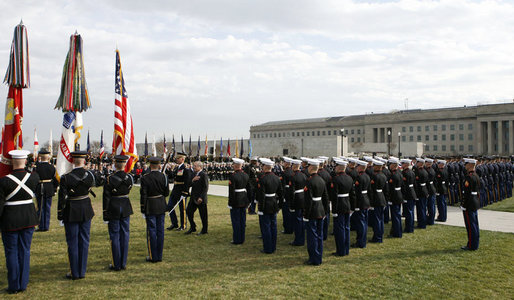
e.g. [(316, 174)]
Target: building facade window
[(335, 132), (470, 148), (427, 137), (435, 127), (452, 137), (411, 138), (404, 129), (318, 132), (443, 137), (358, 131), (470, 137), (427, 148), (419, 128), (359, 139), (461, 137), (419, 138), (443, 147), (452, 127), (352, 139), (411, 128), (434, 147), (470, 126), (461, 147), (323, 132), (303, 133), (427, 128), (308, 132), (279, 134), (353, 131), (275, 134), (452, 148), (443, 127), (461, 126), (329, 132), (313, 133), (403, 138), (435, 137)]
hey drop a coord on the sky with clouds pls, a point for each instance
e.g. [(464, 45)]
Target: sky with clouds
[(217, 67)]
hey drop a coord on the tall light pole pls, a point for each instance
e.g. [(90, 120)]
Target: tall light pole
[(389, 143), (399, 151), (342, 141)]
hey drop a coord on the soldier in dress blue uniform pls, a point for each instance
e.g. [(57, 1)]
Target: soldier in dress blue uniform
[(441, 184), (395, 184), (154, 190), (45, 189), (379, 190), (198, 200), (431, 199), (75, 211), (238, 190), (287, 216), (316, 202), (325, 175), (117, 210), (421, 192), (253, 170), (341, 195), (269, 193), (296, 197), (362, 204), (17, 220), (409, 194), (470, 205), (179, 193)]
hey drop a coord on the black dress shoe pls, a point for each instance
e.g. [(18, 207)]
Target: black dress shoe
[(191, 230), (465, 248), (111, 267), (8, 291), (180, 228), (307, 262), (262, 251), (335, 254), (148, 259), (172, 227), (69, 276), (293, 244), (201, 232)]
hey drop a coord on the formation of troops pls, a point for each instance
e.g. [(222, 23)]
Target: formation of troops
[(352, 193)]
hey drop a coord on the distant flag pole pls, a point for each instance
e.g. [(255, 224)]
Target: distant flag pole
[(228, 148), (198, 148), (88, 149), (173, 143), (236, 153), (18, 78), (73, 100), (221, 147), (102, 148), (36, 144), (190, 147), (242, 149), (146, 144), (182, 142), (123, 125), (51, 144), (154, 149), (164, 148), (206, 146)]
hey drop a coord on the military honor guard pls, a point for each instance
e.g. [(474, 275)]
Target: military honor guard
[(325, 175), (395, 197), (74, 210), (238, 199), (45, 189), (361, 204), (378, 187), (341, 195), (253, 170), (316, 200), (441, 184), (431, 199), (179, 193), (269, 195), (117, 210), (409, 194), (154, 190), (297, 197), (471, 204), (17, 220), (421, 192), (287, 215), (198, 199)]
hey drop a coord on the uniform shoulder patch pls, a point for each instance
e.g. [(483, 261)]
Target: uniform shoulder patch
[(466, 184), (390, 181), (356, 183)]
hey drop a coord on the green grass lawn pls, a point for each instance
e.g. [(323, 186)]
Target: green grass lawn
[(426, 264), (504, 205), (219, 182)]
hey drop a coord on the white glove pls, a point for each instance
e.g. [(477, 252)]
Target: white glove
[(106, 222), (61, 223), (143, 215), (182, 198)]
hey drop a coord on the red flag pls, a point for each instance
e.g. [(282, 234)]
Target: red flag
[(12, 138), (228, 148), (123, 130)]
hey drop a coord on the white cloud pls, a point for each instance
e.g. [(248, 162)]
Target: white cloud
[(217, 67)]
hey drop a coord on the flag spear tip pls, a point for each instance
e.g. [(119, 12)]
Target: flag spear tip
[(76, 32), (21, 21)]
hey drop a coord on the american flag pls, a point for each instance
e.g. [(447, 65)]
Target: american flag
[(36, 144), (124, 143), (102, 148)]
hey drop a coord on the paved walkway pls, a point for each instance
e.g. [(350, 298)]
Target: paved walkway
[(487, 219)]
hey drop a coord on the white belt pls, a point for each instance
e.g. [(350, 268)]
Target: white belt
[(291, 210), (343, 195), (357, 209), (444, 182), (364, 192), (389, 203), (260, 213), (229, 207), (431, 182), (20, 202), (298, 191), (463, 208), (371, 208), (474, 193), (398, 189), (379, 191), (270, 195), (287, 185), (437, 194), (305, 220), (334, 215), (411, 185), (239, 190), (316, 199), (422, 184)]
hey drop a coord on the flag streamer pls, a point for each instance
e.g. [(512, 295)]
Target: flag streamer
[(18, 74), (74, 94)]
